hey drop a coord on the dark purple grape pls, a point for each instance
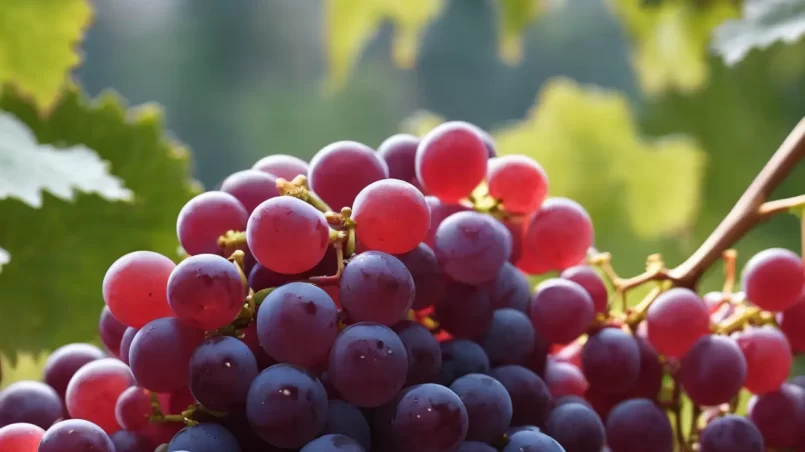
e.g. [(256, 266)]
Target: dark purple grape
[(439, 211), (779, 415), (368, 364), (510, 289), (531, 399), (347, 420), (570, 399), (65, 361), (221, 371), (488, 405), (638, 425), (510, 339), (424, 354), (111, 331), (586, 277), (128, 441), (561, 310), (429, 418), (333, 443), (376, 287), (610, 360), (251, 187), (511, 431), (286, 406), (76, 435), (465, 311), (576, 427), (204, 438), (475, 446), (533, 442), (263, 278), (730, 433), (399, 153), (31, 402), (125, 344), (471, 247), (461, 357), (160, 354), (422, 264), (713, 370)]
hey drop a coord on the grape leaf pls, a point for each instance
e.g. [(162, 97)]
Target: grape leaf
[(670, 40), (26, 366), (514, 17), (51, 289), (764, 22), (38, 44), (587, 141), (28, 168)]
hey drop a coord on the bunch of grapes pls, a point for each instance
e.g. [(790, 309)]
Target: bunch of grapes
[(379, 301)]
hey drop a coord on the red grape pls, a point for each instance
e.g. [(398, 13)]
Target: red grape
[(93, 392), (564, 379), (287, 235), (20, 437), (392, 216), (134, 288), (779, 415), (586, 277), (133, 407), (160, 354), (65, 361), (111, 331), (341, 170), (518, 181), (76, 435), (251, 187), (561, 310), (712, 371), (281, 165), (792, 324), (207, 217), (676, 320), (424, 268), (768, 358), (472, 247), (399, 153), (774, 279), (611, 361), (437, 155)]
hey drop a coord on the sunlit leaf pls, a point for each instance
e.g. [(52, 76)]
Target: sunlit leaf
[(515, 17), (25, 366), (38, 44), (764, 22), (411, 18)]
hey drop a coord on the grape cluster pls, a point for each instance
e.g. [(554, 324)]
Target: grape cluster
[(379, 301)]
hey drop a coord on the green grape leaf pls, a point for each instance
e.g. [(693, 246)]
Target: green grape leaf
[(587, 141), (51, 288), (764, 23), (671, 39), (514, 17), (25, 366), (27, 168), (38, 44)]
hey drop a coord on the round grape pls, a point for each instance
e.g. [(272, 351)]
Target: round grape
[(509, 289), (281, 165), (531, 400), (611, 361), (439, 211), (774, 279), (133, 407), (731, 433), (251, 187), (93, 392), (333, 443), (465, 311), (207, 217), (561, 310), (461, 357), (779, 415), (676, 320), (576, 427), (768, 358), (287, 235), (221, 371), (472, 247), (565, 379), (488, 405), (76, 435), (125, 343), (160, 354), (29, 402), (20, 437), (713, 371), (518, 181), (586, 277), (347, 420), (65, 361), (638, 425), (424, 354), (111, 331), (649, 380), (792, 324), (391, 215), (399, 153), (475, 446), (376, 287), (438, 154), (128, 441), (342, 169), (428, 280), (510, 338), (204, 438), (429, 418), (134, 288), (532, 441)]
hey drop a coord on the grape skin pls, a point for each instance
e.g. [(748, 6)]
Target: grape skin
[(111, 331), (392, 216), (333, 443), (128, 441), (792, 324), (437, 154), (561, 310), (20, 437), (510, 338), (556, 237), (774, 279), (286, 406), (251, 187), (533, 441), (475, 446), (347, 420), (65, 361), (611, 361), (281, 165), (488, 405), (429, 418), (29, 402), (76, 435), (204, 438), (779, 415), (160, 354), (531, 399), (125, 343), (287, 235), (205, 218), (676, 320), (564, 379), (731, 433), (399, 153), (518, 181), (206, 291), (221, 371), (465, 311), (713, 371), (471, 247), (768, 358), (132, 408), (439, 211), (134, 287), (376, 287), (509, 289), (461, 357), (93, 392), (428, 280), (424, 354), (586, 277), (340, 170), (368, 364), (576, 427), (638, 425)]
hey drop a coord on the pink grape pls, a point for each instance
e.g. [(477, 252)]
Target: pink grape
[(206, 291), (774, 279), (561, 310), (133, 407), (134, 288), (93, 392), (281, 165), (160, 354), (586, 277), (792, 324), (341, 170), (676, 320), (437, 155), (287, 235), (565, 379), (20, 437), (768, 358), (251, 187), (712, 371), (399, 153), (207, 217), (111, 331), (779, 415), (65, 361), (556, 237), (392, 216), (518, 181)]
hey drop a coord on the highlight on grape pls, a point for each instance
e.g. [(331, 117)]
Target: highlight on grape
[(379, 301)]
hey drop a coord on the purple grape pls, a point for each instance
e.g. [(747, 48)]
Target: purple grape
[(128, 441), (207, 217), (713, 370), (368, 364), (333, 443), (76, 435), (561, 310), (262, 277), (376, 287), (125, 343), (638, 425), (111, 331), (510, 289), (347, 420), (576, 427), (730, 433), (65, 361), (439, 211), (297, 323), (160, 354), (424, 268), (610, 360), (475, 446), (399, 153), (286, 406), (779, 415), (31, 402), (251, 187), (341, 170), (534, 441), (471, 247), (204, 438), (461, 357), (511, 431), (531, 399), (510, 339), (488, 405), (221, 371), (429, 418), (465, 311), (586, 277), (424, 354)]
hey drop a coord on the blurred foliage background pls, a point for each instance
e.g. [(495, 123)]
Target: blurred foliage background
[(653, 114)]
